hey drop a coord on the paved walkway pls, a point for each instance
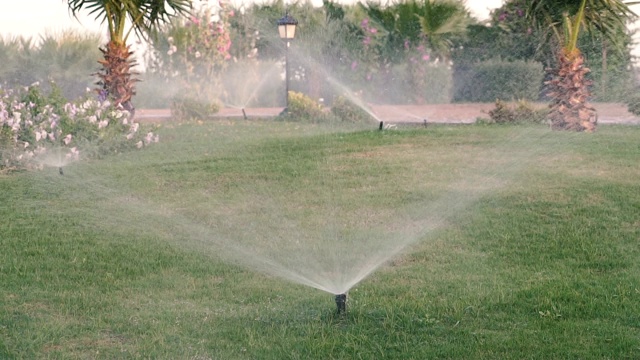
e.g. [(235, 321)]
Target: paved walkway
[(608, 113)]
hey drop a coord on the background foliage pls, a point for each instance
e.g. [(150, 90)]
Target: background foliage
[(398, 53), (68, 58)]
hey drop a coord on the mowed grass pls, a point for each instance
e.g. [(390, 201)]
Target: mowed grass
[(544, 267)]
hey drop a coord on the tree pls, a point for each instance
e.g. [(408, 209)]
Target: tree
[(144, 16), (569, 86), (414, 22)]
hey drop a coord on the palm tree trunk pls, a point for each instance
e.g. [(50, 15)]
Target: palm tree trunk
[(116, 79), (569, 90)]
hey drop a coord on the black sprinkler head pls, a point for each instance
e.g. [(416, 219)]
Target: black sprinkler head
[(244, 114), (341, 303), (381, 125), (60, 170)]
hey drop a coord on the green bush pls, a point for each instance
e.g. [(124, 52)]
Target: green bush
[(68, 57), (503, 80), (303, 108), (192, 107), (520, 112), (429, 83), (345, 110), (633, 105)]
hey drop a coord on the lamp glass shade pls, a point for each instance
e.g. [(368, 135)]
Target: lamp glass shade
[(287, 27)]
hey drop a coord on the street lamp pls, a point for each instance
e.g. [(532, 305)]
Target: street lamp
[(287, 29)]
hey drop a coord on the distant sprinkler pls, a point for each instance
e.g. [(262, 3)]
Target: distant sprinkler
[(244, 114), (341, 303), (60, 170), (425, 122), (381, 125)]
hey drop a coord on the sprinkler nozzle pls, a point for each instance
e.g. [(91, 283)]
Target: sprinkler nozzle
[(381, 125), (244, 114), (60, 170), (341, 303)]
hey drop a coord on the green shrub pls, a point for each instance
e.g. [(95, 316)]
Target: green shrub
[(633, 105), (344, 109), (192, 107), (303, 108), (66, 57), (520, 112), (431, 83), (503, 80)]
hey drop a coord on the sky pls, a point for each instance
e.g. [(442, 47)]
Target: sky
[(32, 18)]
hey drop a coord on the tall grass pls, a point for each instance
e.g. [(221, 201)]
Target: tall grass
[(545, 267)]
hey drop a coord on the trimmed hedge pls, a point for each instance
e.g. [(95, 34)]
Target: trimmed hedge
[(499, 80)]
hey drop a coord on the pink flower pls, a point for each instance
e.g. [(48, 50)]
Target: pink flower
[(426, 57), (354, 65), (373, 30), (67, 139)]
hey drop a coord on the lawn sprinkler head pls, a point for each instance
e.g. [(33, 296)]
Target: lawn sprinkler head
[(381, 125), (425, 122), (341, 303), (244, 114), (60, 170)]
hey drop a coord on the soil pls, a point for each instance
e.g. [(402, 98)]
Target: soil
[(608, 113)]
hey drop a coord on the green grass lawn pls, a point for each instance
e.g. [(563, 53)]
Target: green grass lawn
[(535, 254)]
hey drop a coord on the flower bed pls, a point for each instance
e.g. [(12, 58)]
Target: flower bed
[(35, 126)]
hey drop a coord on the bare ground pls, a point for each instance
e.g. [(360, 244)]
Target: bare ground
[(608, 113)]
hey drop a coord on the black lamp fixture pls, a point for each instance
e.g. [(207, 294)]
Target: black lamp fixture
[(287, 30)]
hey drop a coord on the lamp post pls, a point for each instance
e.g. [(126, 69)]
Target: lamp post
[(287, 30)]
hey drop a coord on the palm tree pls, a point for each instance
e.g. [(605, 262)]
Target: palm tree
[(569, 86), (435, 22), (142, 17), (440, 21)]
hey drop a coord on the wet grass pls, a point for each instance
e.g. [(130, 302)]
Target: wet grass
[(544, 267)]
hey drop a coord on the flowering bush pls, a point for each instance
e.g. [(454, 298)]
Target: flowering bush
[(192, 53), (33, 125)]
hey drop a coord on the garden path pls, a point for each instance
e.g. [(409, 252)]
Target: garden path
[(609, 113)]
